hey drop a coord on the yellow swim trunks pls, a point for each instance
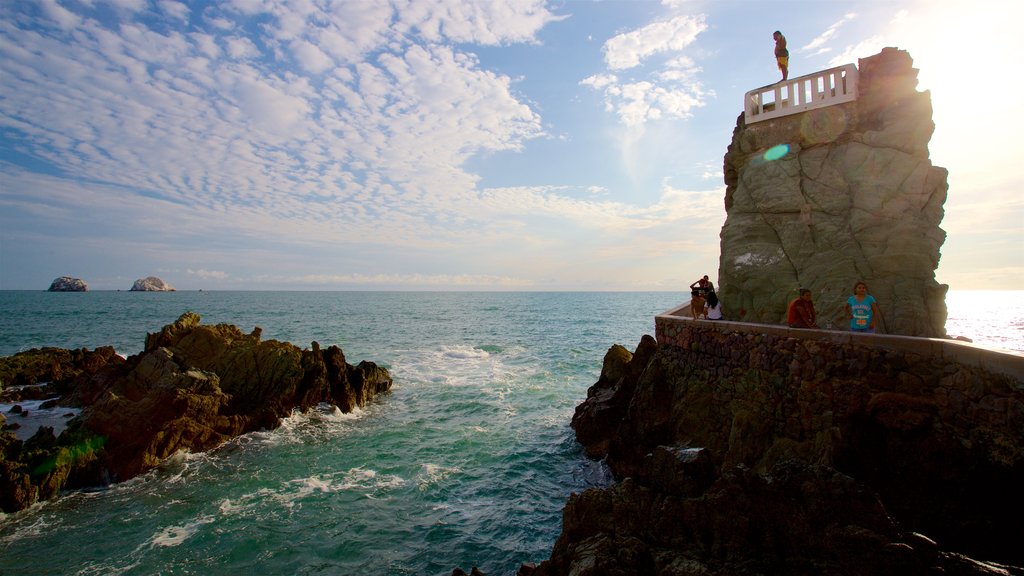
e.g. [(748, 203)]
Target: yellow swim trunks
[(783, 61)]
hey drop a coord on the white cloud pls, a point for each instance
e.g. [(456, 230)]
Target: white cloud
[(238, 47), (630, 49), (61, 16), (817, 45), (668, 89), (209, 128), (208, 274), (175, 9)]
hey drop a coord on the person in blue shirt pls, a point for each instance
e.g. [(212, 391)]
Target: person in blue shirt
[(861, 309)]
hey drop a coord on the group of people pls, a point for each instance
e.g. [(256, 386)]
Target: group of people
[(703, 300), (861, 308)]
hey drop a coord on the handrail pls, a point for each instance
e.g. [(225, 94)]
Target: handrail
[(824, 88)]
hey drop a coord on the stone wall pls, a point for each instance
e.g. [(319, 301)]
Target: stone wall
[(935, 426)]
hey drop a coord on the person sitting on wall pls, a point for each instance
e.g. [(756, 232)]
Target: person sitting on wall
[(698, 290), (801, 311), (713, 307)]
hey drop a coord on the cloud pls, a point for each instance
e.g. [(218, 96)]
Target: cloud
[(630, 49), (669, 89), (59, 15), (145, 123), (410, 280), (208, 274), (817, 45), (174, 9)]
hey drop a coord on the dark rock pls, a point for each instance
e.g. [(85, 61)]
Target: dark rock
[(57, 367), (192, 388), (608, 399)]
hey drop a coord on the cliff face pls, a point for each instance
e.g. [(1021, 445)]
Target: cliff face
[(833, 195)]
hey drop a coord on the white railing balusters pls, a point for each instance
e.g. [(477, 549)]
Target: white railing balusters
[(825, 88)]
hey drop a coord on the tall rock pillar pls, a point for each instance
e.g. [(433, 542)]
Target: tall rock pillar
[(826, 197)]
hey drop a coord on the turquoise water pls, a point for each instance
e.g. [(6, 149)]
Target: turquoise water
[(467, 462)]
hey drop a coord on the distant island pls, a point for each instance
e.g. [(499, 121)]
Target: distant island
[(151, 284), (68, 284)]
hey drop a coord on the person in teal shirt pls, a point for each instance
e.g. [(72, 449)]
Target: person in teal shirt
[(861, 309)]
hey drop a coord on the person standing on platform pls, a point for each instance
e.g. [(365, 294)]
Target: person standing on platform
[(861, 309), (698, 290), (781, 54)]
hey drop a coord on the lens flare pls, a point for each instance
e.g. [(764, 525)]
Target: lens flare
[(776, 152)]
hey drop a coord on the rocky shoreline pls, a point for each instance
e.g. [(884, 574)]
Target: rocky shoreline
[(739, 454), (192, 388)]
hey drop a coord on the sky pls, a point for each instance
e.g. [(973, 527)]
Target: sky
[(449, 144)]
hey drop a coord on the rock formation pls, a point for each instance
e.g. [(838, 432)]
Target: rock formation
[(192, 388), (68, 284), (757, 453), (829, 196), (151, 284)]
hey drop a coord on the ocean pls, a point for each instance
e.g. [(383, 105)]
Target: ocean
[(468, 461)]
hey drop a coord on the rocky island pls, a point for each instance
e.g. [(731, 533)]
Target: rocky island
[(192, 388), (68, 284), (151, 284)]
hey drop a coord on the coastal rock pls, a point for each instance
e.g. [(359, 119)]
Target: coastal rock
[(744, 452), (47, 372), (853, 196), (607, 400), (192, 388), (798, 519), (68, 284), (151, 284)]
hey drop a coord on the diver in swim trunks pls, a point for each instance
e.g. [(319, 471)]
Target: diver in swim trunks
[(781, 54)]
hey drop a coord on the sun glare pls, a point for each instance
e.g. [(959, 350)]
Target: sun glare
[(967, 56)]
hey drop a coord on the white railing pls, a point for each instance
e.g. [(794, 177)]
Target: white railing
[(825, 88)]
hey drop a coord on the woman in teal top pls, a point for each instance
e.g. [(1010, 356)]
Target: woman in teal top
[(861, 309)]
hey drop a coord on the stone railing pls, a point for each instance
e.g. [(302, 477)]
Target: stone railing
[(676, 327), (825, 88)]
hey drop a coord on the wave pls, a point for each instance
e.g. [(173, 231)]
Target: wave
[(366, 482), (432, 474), (465, 352), (176, 535)]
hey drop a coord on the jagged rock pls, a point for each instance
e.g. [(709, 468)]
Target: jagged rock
[(799, 519), (68, 284), (151, 284), (854, 197), (192, 388), (55, 366), (742, 453), (607, 400)]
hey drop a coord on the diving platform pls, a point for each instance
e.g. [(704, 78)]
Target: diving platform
[(817, 90)]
